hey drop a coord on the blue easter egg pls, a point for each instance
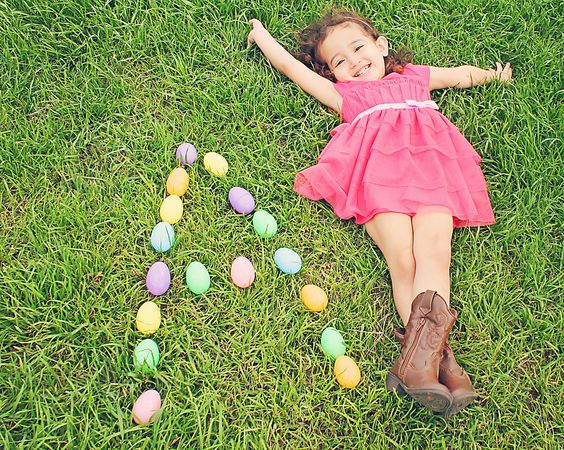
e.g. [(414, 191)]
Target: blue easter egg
[(287, 260), (162, 237)]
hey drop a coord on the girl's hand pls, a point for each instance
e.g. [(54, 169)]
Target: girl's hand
[(257, 28), (501, 73)]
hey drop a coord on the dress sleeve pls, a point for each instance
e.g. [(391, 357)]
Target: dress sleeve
[(423, 72), (341, 87)]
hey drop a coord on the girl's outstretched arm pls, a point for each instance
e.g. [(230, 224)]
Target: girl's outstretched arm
[(467, 76), (317, 86)]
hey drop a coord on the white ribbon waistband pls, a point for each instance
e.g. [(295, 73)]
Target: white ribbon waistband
[(408, 104)]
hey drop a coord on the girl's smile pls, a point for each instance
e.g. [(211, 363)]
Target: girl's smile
[(353, 55)]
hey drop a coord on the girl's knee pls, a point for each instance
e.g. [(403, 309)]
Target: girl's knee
[(438, 252), (402, 263)]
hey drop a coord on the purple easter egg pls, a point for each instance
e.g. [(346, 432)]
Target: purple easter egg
[(158, 278), (186, 153), (241, 200)]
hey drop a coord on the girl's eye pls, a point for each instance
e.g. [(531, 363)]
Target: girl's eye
[(339, 62), (358, 48)]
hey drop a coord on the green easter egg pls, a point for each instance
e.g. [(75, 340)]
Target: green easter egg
[(332, 343), (265, 225), (146, 355), (197, 278)]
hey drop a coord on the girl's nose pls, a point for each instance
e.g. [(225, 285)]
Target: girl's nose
[(356, 59)]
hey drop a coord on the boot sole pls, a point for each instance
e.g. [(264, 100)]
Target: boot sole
[(458, 404), (434, 399)]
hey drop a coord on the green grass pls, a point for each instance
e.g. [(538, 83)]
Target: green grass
[(95, 97)]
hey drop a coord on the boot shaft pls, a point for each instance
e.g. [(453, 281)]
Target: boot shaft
[(426, 333)]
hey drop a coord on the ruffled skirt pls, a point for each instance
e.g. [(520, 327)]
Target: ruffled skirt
[(399, 161)]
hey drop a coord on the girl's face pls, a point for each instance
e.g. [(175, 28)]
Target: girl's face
[(352, 54)]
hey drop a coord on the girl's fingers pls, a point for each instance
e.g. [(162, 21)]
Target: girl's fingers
[(255, 24)]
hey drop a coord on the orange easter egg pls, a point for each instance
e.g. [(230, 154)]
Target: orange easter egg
[(177, 182), (347, 372), (314, 298)]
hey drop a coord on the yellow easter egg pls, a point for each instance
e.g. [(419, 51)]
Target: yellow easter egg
[(171, 209), (148, 318), (347, 372), (177, 182), (314, 298), (215, 164)]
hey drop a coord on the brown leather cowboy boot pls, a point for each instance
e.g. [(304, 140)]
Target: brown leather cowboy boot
[(457, 381), (452, 376), (416, 372)]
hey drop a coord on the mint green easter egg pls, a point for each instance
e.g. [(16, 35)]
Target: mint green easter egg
[(146, 355), (197, 278), (265, 225), (332, 343)]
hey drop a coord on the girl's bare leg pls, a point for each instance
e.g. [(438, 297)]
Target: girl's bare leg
[(432, 235), (393, 233)]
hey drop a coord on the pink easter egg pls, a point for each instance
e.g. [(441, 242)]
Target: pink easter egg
[(241, 200), (242, 272), (158, 278), (146, 406), (186, 153)]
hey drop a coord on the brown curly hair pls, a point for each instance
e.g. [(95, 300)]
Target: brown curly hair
[(313, 36)]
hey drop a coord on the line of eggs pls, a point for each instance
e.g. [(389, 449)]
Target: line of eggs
[(146, 354)]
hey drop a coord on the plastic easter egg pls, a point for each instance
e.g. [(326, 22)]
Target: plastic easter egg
[(314, 298), (215, 164), (186, 153), (265, 225), (242, 272), (241, 200), (146, 355), (148, 318), (158, 278), (197, 278), (177, 182), (332, 343), (162, 237), (287, 260), (171, 209), (346, 372), (146, 407)]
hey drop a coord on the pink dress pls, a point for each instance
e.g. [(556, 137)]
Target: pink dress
[(394, 159)]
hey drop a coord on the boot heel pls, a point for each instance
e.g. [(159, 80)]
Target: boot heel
[(393, 383)]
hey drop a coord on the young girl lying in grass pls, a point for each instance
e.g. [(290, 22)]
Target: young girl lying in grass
[(401, 168)]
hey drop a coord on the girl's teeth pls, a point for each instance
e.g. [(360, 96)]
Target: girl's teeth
[(364, 69)]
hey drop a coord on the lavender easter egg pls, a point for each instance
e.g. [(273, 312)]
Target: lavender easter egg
[(162, 237), (146, 407), (242, 272), (241, 200), (158, 278), (287, 260), (186, 153)]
